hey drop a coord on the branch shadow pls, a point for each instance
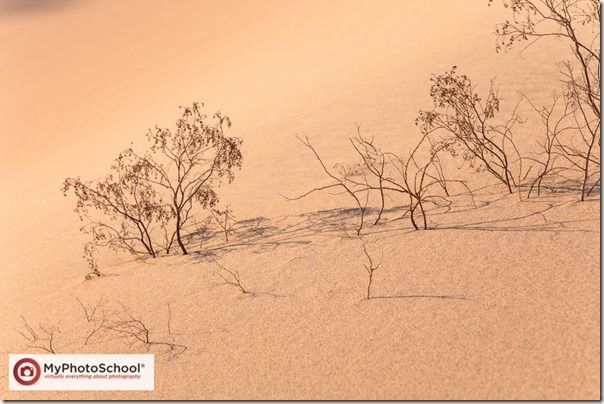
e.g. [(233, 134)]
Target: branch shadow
[(492, 211), (261, 234)]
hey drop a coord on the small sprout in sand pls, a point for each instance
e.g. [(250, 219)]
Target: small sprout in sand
[(370, 267)]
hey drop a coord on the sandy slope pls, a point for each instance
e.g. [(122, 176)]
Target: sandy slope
[(528, 329), (80, 92)]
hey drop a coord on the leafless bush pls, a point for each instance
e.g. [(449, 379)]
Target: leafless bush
[(121, 323), (468, 124), (417, 180), (44, 338), (224, 219), (344, 178), (557, 121), (576, 23), (95, 315), (159, 191), (136, 330), (419, 177)]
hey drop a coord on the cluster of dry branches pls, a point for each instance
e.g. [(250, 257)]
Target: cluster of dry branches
[(415, 180), (135, 330), (103, 322), (571, 146), (231, 278), (144, 204), (44, 338), (468, 125)]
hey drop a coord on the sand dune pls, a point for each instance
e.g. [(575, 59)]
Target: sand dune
[(85, 79)]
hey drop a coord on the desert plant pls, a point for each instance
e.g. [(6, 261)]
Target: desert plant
[(345, 178), (576, 23), (467, 122), (127, 203), (224, 219), (44, 338), (95, 315), (556, 120), (89, 257), (418, 177), (231, 278), (163, 186), (374, 161), (189, 162), (136, 330), (370, 267), (122, 324)]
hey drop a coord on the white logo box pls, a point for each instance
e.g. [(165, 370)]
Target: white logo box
[(81, 372)]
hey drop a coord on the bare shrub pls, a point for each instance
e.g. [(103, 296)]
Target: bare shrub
[(224, 219), (557, 121), (44, 338), (467, 120), (576, 23), (128, 206), (159, 191), (190, 162), (136, 330), (419, 178), (95, 316), (121, 323), (348, 179)]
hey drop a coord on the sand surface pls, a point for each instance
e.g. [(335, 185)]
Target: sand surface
[(84, 79)]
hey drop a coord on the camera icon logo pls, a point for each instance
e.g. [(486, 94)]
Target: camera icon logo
[(26, 371)]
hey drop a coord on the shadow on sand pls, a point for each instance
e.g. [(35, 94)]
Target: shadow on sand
[(491, 211)]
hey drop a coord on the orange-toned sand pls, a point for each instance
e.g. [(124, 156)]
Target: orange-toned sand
[(81, 80)]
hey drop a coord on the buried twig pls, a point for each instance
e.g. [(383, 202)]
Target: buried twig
[(423, 296), (169, 319), (233, 279)]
